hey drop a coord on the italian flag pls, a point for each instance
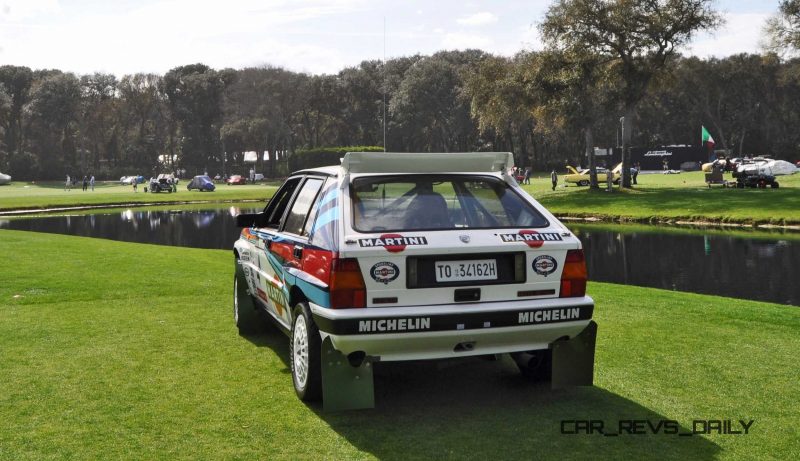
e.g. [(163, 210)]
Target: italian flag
[(707, 139)]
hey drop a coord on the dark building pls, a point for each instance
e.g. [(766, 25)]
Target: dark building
[(652, 158)]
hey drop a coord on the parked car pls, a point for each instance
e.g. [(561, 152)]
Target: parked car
[(4, 179), (202, 183), (258, 177), (393, 257), (581, 178), (236, 179), (163, 183), (129, 180)]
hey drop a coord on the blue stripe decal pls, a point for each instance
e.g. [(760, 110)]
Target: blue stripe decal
[(330, 196), (314, 293), (326, 218)]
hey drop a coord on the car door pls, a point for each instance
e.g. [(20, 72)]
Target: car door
[(282, 248), (266, 280)]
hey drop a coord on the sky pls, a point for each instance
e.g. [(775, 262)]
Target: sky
[(314, 36)]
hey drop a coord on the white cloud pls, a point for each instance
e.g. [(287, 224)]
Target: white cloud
[(16, 10), (740, 34), (478, 19), (461, 41)]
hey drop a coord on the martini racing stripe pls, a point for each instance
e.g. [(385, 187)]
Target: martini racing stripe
[(451, 322)]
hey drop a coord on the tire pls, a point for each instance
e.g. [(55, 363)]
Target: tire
[(245, 315), (583, 183), (774, 185), (535, 365), (305, 349)]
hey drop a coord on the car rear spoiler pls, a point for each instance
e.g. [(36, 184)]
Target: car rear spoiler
[(397, 162)]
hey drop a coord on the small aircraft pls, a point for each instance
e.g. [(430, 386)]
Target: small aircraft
[(581, 177), (4, 179)]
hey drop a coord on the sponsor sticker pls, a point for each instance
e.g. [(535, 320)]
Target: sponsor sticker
[(545, 265), (531, 238), (393, 243), (385, 272)]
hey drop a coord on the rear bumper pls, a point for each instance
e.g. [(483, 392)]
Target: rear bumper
[(445, 331)]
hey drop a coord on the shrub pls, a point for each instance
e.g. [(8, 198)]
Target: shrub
[(324, 156)]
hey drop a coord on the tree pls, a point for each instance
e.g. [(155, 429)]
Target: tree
[(783, 30), (17, 83), (571, 89), (55, 110), (640, 36), (195, 95), (430, 107)]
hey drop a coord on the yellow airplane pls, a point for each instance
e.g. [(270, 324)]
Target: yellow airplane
[(581, 178)]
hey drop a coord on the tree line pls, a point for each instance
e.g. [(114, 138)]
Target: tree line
[(548, 107)]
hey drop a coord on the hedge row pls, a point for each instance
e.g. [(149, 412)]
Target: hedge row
[(324, 156)]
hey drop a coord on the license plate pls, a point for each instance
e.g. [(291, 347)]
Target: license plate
[(465, 271)]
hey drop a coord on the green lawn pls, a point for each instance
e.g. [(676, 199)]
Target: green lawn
[(49, 194), (112, 350), (657, 198), (684, 196)]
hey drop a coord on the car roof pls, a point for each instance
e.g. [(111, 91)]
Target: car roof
[(408, 162)]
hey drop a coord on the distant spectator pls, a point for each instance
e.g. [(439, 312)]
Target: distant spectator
[(85, 183), (665, 165), (635, 173), (68, 183), (91, 182), (527, 176), (554, 179), (135, 183)]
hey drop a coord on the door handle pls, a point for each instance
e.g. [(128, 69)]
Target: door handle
[(298, 252)]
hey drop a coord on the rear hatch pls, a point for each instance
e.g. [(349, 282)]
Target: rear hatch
[(427, 239), (443, 267)]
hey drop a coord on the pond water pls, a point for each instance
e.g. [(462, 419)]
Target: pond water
[(758, 266)]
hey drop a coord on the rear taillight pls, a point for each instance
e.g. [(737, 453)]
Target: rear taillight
[(573, 277), (347, 287)]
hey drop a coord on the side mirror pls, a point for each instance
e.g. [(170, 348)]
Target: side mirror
[(251, 220)]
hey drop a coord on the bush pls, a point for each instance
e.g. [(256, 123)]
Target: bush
[(324, 156)]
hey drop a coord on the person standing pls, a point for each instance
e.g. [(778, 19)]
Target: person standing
[(527, 175), (635, 173), (554, 179), (85, 183), (68, 183), (91, 182), (135, 183)]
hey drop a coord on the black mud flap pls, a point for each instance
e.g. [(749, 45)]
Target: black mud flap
[(573, 359), (345, 387)]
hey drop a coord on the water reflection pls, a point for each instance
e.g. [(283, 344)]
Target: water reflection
[(760, 268), (211, 228)]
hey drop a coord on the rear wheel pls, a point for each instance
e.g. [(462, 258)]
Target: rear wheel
[(245, 315), (774, 185), (305, 348), (583, 183)]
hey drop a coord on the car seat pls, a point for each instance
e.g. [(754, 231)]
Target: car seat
[(428, 210)]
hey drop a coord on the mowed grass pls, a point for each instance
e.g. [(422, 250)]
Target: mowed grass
[(112, 350), (20, 195), (657, 198), (685, 196)]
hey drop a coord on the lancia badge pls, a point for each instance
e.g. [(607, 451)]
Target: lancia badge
[(464, 238)]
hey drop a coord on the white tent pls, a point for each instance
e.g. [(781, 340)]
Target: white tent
[(250, 156), (781, 167)]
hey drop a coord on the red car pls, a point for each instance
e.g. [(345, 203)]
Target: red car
[(236, 179)]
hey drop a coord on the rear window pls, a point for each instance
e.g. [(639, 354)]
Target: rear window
[(438, 202)]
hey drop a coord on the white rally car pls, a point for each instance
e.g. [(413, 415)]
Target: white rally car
[(398, 256)]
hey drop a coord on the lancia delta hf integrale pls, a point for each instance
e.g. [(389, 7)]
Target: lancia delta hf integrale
[(399, 256)]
